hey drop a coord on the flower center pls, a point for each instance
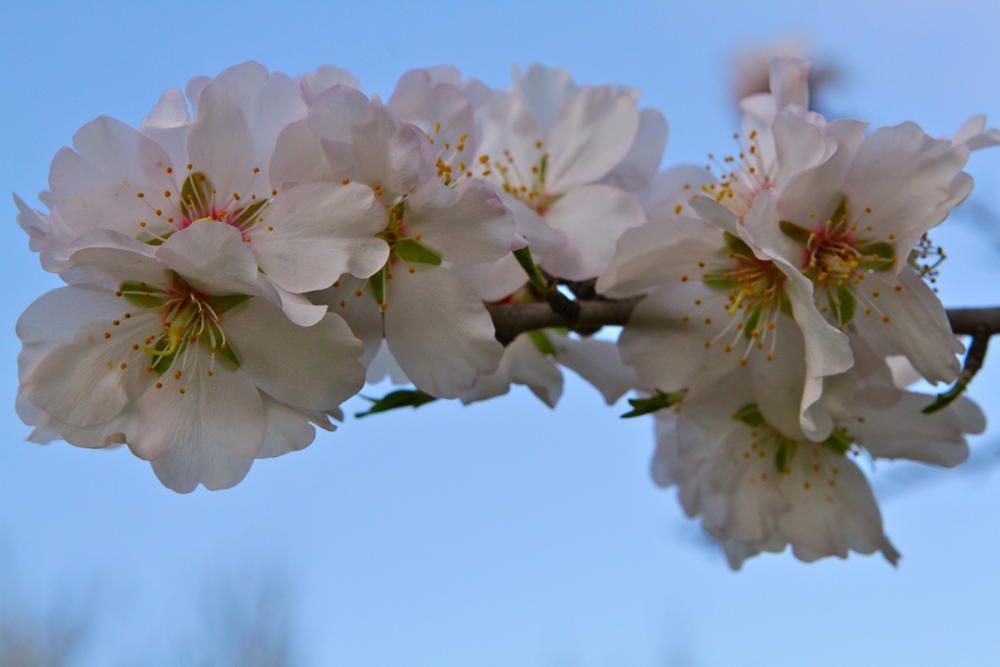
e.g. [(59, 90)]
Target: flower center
[(766, 441), (188, 317), (741, 177), (754, 301), (197, 200), (837, 259)]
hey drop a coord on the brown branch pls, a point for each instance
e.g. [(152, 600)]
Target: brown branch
[(511, 319)]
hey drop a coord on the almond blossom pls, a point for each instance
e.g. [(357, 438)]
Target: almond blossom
[(138, 188), (761, 487), (198, 380), (436, 327)]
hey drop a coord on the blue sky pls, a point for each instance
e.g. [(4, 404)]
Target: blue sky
[(505, 533)]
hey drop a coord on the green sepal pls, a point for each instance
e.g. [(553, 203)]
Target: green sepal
[(785, 304), (158, 240), (721, 284), (416, 252), (736, 245), (943, 400), (786, 452), (542, 343), (248, 213), (840, 215), (222, 304), (839, 441), (842, 303), (377, 283), (800, 235), (750, 324), (196, 193), (535, 276), (401, 398), (658, 401), (879, 256), (227, 356), (162, 362), (140, 294), (750, 415)]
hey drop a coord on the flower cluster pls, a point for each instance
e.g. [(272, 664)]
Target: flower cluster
[(260, 246)]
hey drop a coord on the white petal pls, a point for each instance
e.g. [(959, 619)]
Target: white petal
[(636, 170), (790, 82), (658, 252), (544, 91), (288, 430), (598, 362), (90, 378), (593, 132), (323, 78), (439, 331), (299, 157), (222, 410), (909, 321), (593, 218), (220, 144), (213, 257), (192, 463), (318, 231), (465, 225), (524, 364), (314, 367), (494, 281)]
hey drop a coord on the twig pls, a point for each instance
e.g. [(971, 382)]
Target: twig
[(511, 319)]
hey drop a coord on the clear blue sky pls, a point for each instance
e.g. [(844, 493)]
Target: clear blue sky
[(502, 534)]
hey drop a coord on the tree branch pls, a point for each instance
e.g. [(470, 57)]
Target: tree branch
[(511, 319)]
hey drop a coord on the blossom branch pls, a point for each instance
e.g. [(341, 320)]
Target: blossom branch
[(515, 318)]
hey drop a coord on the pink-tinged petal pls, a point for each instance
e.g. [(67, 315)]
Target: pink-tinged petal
[(168, 124), (439, 331), (299, 158), (812, 195), (790, 82), (314, 368), (593, 132), (715, 214), (323, 78), (635, 172), (522, 364), (337, 111), (907, 318), (438, 108), (538, 234), (544, 91), (33, 222), (902, 431), (91, 377), (674, 186), (467, 224), (598, 362), (183, 468), (658, 252), (208, 406), (384, 367), (975, 135), (493, 281), (593, 218), (288, 430), (657, 342), (352, 299), (318, 231), (799, 145), (816, 527), (390, 155), (220, 144), (213, 257), (902, 183), (276, 104)]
